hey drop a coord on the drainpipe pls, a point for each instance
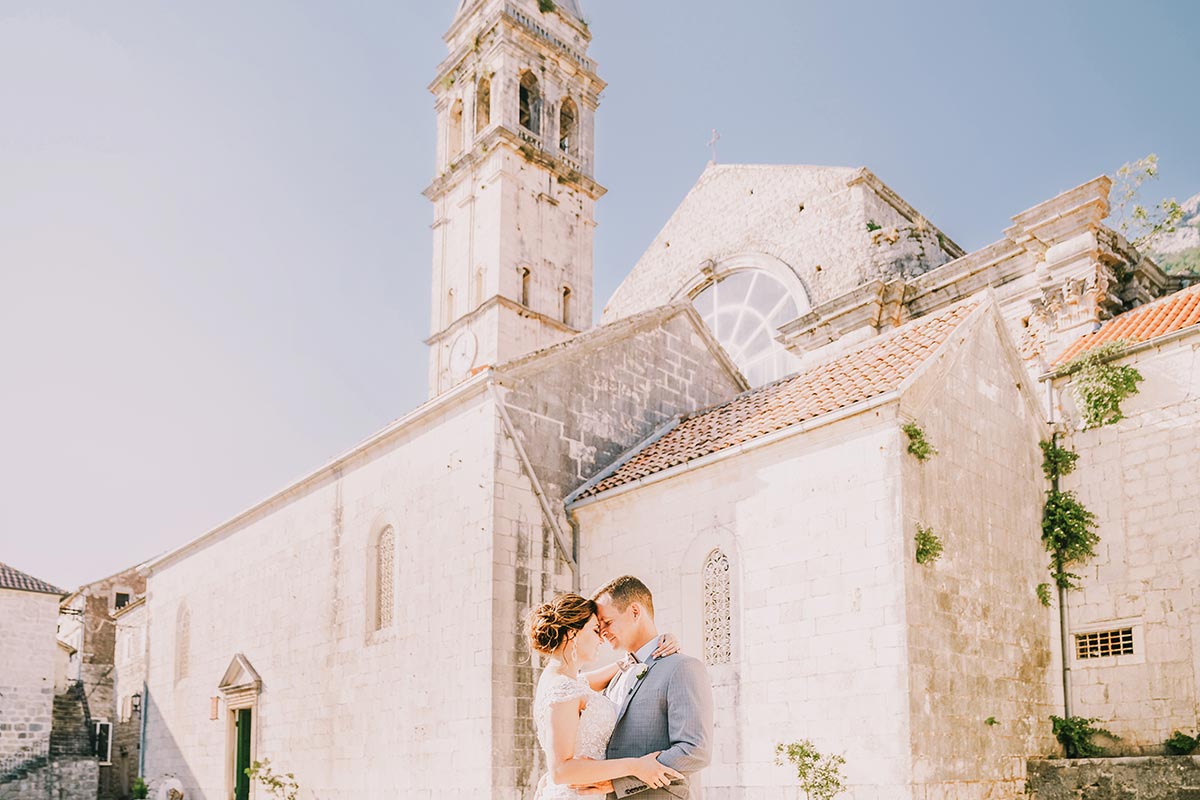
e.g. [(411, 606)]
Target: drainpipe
[(574, 523), (142, 732), (1063, 626)]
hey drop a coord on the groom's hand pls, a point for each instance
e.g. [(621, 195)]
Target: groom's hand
[(603, 787)]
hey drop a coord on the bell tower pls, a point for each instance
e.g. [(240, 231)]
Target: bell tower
[(514, 198)]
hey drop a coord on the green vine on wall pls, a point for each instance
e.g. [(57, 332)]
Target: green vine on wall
[(1076, 735), (918, 445), (1068, 529), (929, 546), (1099, 386)]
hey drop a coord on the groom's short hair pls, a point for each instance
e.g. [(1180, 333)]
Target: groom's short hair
[(625, 590)]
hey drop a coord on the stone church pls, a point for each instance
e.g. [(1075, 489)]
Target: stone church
[(730, 431)]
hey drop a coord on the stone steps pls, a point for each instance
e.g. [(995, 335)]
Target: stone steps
[(70, 732)]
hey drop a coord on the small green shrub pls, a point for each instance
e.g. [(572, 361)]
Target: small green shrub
[(1100, 386), (991, 721), (1043, 594), (1180, 744), (283, 786), (929, 546), (873, 226), (820, 776), (546, 6), (918, 445), (1057, 461), (1075, 734), (138, 789)]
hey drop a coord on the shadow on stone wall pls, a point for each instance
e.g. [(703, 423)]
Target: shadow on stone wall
[(161, 748)]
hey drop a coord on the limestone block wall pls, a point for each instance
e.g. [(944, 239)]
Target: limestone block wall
[(129, 675), (810, 526), (353, 712), (574, 413), (810, 218), (1138, 477), (978, 639), (27, 659)]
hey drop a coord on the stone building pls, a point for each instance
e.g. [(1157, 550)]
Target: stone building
[(731, 430), (129, 680), (88, 626)]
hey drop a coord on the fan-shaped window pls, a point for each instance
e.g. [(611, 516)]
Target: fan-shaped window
[(567, 116), (530, 108), (483, 105), (744, 310), (718, 610)]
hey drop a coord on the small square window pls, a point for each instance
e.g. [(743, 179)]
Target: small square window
[(122, 599), (1101, 644)]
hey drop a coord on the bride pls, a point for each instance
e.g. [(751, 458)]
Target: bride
[(573, 719)]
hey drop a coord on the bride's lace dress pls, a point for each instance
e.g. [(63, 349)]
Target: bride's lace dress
[(596, 723)]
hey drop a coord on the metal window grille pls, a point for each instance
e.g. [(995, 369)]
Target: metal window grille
[(385, 566), (1099, 644), (718, 617)]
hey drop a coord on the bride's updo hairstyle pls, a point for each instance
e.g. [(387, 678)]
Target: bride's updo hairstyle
[(551, 624)]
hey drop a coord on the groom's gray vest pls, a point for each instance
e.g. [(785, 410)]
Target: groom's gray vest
[(670, 709)]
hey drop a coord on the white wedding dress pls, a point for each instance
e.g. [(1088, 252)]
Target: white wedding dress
[(596, 723)]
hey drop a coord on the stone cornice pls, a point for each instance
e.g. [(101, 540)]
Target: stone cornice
[(492, 302), (871, 307), (499, 136)]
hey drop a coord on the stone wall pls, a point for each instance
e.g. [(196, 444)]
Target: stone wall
[(1162, 778), (353, 712), (1138, 477), (28, 651), (130, 673), (61, 779), (810, 526), (978, 638)]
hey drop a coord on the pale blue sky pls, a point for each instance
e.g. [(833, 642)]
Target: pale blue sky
[(214, 254)]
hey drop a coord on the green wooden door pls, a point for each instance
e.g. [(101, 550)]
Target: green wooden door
[(241, 760)]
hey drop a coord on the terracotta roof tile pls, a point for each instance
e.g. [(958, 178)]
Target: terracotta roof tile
[(15, 579), (1165, 315), (874, 369)]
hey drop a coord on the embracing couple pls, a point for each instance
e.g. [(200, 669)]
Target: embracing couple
[(641, 726)]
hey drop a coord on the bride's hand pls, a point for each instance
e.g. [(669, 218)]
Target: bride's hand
[(668, 644), (652, 773)]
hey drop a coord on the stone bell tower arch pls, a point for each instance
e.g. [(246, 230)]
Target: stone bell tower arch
[(514, 197)]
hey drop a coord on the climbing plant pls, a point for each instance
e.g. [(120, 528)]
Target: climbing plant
[(1100, 386), (1068, 529), (918, 445), (1076, 735), (1057, 461), (929, 546)]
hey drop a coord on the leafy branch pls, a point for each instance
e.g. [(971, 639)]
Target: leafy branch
[(1137, 222)]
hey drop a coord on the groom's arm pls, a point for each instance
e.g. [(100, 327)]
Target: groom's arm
[(689, 726)]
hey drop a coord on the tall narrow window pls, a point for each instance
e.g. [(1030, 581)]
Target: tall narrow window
[(455, 131), (718, 618), (385, 560), (478, 287), (567, 117), (183, 641), (530, 100), (566, 305), (523, 294), (449, 309), (483, 105)]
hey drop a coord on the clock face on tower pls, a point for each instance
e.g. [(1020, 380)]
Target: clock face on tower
[(462, 353)]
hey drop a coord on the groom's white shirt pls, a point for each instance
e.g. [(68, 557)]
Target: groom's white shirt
[(626, 680)]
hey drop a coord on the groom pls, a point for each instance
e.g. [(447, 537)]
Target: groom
[(662, 704)]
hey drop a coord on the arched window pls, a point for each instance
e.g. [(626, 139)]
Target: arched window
[(483, 105), (743, 310), (455, 131), (385, 578), (718, 611), (523, 293), (183, 641), (567, 117), (530, 108), (566, 305)]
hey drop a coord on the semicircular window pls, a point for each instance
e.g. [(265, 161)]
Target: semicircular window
[(744, 311)]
